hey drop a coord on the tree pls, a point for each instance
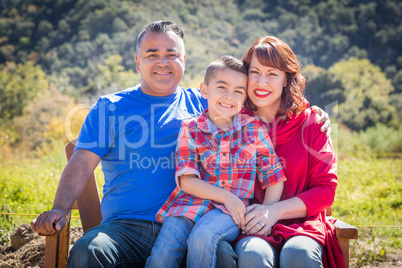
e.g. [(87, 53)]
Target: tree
[(18, 85), (322, 88), (366, 94), (113, 77)]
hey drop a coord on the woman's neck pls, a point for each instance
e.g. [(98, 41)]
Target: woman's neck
[(266, 115)]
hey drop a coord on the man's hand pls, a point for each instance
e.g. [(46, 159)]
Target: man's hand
[(49, 222), (323, 118), (237, 209)]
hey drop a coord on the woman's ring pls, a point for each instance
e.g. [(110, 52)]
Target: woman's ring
[(262, 225)]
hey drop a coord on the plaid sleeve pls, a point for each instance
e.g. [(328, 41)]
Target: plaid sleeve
[(270, 169), (187, 158)]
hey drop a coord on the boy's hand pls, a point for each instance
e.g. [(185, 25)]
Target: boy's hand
[(237, 210)]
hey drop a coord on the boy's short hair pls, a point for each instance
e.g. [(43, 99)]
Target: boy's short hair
[(223, 63)]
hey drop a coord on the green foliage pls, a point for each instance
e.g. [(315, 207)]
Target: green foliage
[(43, 119), (28, 186), (322, 87), (70, 33), (366, 91), (382, 139), (18, 85), (113, 77), (6, 224)]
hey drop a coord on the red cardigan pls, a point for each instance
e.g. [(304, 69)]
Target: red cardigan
[(308, 159)]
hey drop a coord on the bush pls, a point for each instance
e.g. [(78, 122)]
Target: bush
[(382, 139)]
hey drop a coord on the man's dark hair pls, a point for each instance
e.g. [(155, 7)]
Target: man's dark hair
[(162, 26), (223, 63)]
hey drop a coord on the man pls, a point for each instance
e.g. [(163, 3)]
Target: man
[(134, 134)]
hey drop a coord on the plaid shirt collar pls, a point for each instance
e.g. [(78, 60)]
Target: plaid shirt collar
[(205, 125)]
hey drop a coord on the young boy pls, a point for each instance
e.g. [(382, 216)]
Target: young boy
[(218, 157)]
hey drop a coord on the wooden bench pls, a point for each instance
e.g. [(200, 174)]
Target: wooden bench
[(88, 204)]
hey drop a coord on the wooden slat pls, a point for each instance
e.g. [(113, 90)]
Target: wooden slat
[(64, 244), (328, 211), (345, 230), (51, 251), (88, 203), (344, 244)]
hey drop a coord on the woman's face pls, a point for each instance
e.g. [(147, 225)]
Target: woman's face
[(265, 85)]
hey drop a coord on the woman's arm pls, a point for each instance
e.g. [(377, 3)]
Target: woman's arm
[(191, 184)]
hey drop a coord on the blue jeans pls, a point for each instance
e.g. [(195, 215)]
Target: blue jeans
[(202, 240), (298, 251), (118, 243)]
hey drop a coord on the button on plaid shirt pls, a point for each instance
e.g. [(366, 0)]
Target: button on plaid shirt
[(229, 159)]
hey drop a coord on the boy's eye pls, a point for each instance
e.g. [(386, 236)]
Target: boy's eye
[(239, 92)]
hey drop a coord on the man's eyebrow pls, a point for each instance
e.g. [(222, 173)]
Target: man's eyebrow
[(151, 50)]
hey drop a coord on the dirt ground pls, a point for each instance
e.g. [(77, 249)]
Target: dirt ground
[(27, 250)]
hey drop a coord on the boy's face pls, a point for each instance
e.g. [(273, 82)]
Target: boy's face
[(226, 93)]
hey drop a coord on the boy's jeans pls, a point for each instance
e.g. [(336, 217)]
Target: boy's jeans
[(201, 239)]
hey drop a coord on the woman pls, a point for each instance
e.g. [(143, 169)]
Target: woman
[(294, 231)]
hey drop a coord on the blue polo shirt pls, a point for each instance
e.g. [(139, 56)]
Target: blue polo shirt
[(135, 135)]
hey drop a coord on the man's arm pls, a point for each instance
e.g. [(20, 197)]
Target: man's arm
[(71, 185)]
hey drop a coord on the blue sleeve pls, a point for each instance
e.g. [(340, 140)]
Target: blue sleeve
[(96, 134)]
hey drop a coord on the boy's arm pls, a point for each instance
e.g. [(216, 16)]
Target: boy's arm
[(273, 193), (191, 184)]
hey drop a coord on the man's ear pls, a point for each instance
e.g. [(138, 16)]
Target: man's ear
[(137, 63), (203, 90)]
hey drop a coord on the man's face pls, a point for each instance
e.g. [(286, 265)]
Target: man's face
[(160, 62)]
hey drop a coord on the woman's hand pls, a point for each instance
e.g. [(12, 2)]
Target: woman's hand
[(323, 118), (260, 219)]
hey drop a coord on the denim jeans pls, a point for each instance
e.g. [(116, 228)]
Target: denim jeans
[(298, 251), (202, 240), (118, 243)]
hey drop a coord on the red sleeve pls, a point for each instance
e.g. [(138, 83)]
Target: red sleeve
[(322, 177)]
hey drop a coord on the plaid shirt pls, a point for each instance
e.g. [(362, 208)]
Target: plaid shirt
[(227, 159)]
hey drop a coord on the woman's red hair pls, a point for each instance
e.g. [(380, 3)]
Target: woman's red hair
[(273, 52)]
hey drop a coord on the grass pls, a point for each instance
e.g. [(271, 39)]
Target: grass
[(369, 193)]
